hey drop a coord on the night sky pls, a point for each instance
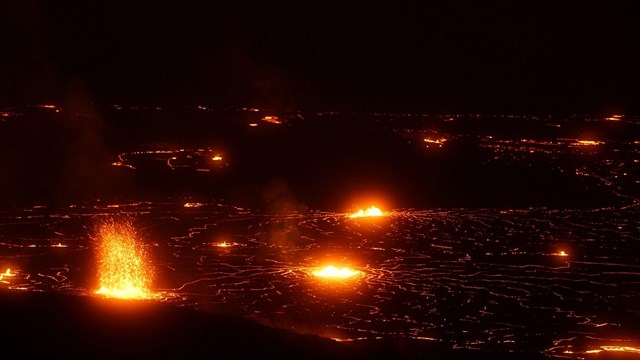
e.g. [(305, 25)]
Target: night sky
[(448, 56)]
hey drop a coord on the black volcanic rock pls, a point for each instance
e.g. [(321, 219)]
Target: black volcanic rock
[(51, 325), (317, 163), (37, 325)]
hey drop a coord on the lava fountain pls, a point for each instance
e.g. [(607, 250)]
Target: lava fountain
[(334, 272), (370, 212), (124, 270)]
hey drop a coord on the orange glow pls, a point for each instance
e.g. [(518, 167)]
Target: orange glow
[(223, 244), (331, 271), (253, 124), (437, 142), (123, 267), (272, 119), (193, 205), (561, 253), (217, 158), (6, 274), (372, 211), (614, 118), (630, 349), (120, 163), (588, 143), (612, 348)]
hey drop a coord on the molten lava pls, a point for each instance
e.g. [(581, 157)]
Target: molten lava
[(608, 348), (193, 205), (123, 267), (272, 119), (333, 272), (588, 143), (7, 273), (372, 211), (627, 349)]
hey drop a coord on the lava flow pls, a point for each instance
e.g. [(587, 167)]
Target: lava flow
[(372, 211), (123, 267)]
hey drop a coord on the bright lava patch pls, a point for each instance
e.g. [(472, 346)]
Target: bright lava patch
[(6, 274), (333, 272), (372, 211)]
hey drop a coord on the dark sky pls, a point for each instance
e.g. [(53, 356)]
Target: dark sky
[(445, 56)]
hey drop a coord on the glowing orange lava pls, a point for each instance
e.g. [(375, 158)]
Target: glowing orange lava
[(331, 271), (588, 143), (611, 348), (193, 205), (372, 211), (439, 142), (629, 349), (217, 158), (123, 267), (6, 274), (223, 244), (272, 119)]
